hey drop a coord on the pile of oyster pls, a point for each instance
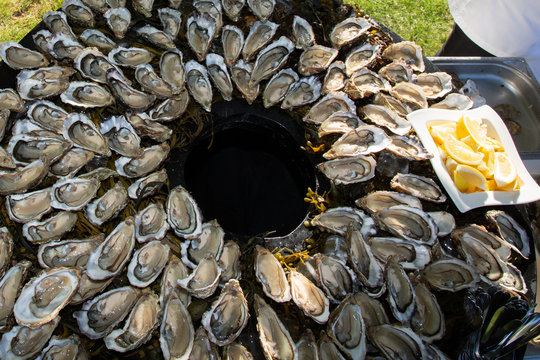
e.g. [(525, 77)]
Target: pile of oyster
[(93, 232)]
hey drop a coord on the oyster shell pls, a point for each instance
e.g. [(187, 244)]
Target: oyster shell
[(302, 33), (143, 7), (408, 223), (42, 298), (9, 290), (6, 160), (271, 59), (142, 320), (113, 253), (336, 246), (335, 77), (147, 263), (276, 342), (121, 136), (259, 35), (229, 262), (346, 327), (454, 101), (142, 165), (151, 82), (410, 255), (35, 84), (278, 86), (232, 39), (68, 253), (329, 105), (130, 57), (146, 127), (26, 149), (47, 115), (385, 117), (397, 71), (56, 22), (270, 274), (419, 186), (148, 185), (198, 84), (200, 31), (308, 297), (335, 278), (11, 100), (349, 30), (41, 41), (233, 8), (63, 48), (151, 223), (130, 97), (361, 57), (315, 59), (176, 333), (108, 206), (428, 318), (88, 288), (86, 95), (511, 231), (71, 162), (171, 66), (410, 93), (373, 312), (409, 147), (350, 170), (220, 75), (303, 92), (96, 38), (70, 347), (79, 13), (263, 9), (23, 342), (401, 295), (73, 194), (235, 351), (202, 347), (450, 275), (183, 213), (156, 37), (364, 83), (328, 349), (339, 123), (408, 52), (174, 271), (18, 57), (306, 348), (241, 75), (209, 242), (393, 340), (336, 220), (23, 178), (445, 222), (171, 20), (100, 315), (6, 247), (364, 140), (80, 130), (435, 85), (379, 200), (212, 8), (204, 279), (227, 316), (119, 21), (26, 207)]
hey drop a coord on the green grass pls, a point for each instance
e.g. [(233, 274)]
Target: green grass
[(427, 22)]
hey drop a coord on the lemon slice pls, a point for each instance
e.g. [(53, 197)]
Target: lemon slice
[(496, 144), (505, 172), (470, 141), (473, 128), (471, 176), (491, 185), (462, 184), (461, 152), (451, 165), (441, 130)]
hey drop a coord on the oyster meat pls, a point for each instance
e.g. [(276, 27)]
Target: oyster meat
[(147, 263), (171, 20), (349, 30), (96, 38), (151, 82), (450, 275), (199, 84), (328, 105), (270, 274), (220, 75), (23, 342), (200, 31), (419, 186), (23, 178), (315, 59), (86, 95), (335, 278), (68, 253), (410, 255), (302, 33), (364, 83), (379, 200), (130, 97), (149, 160), (408, 52), (271, 59), (335, 77), (18, 57), (10, 284), (204, 279), (229, 262), (30, 206), (77, 12), (259, 35), (183, 214), (408, 223), (121, 136), (176, 334), (156, 37), (350, 170), (73, 194), (241, 75), (151, 223), (278, 86), (361, 57), (364, 140), (48, 115), (308, 297), (174, 271), (108, 206), (385, 117), (346, 327), (130, 57), (209, 242), (148, 185), (171, 67), (119, 21), (336, 220), (232, 39), (263, 9)]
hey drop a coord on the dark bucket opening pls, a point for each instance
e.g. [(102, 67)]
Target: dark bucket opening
[(249, 172)]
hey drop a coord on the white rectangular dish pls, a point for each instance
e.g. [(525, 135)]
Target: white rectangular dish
[(529, 191)]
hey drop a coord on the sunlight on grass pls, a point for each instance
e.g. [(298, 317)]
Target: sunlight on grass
[(18, 17)]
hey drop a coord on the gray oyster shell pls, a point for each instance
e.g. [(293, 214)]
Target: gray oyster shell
[(233, 8), (204, 279), (411, 94), (339, 123), (10, 285), (18, 57), (93, 65), (47, 115), (200, 31), (335, 77), (217, 70), (79, 13), (364, 83), (171, 20), (148, 185), (143, 7), (145, 127), (71, 345), (11, 100), (68, 253), (306, 348), (236, 351), (229, 262), (454, 101), (308, 297), (428, 318), (6, 248), (172, 108), (408, 223), (361, 57), (25, 149), (171, 67), (419, 186), (305, 91), (145, 163), (176, 334), (328, 105), (379, 200), (278, 86), (349, 170), (259, 36), (53, 228), (209, 242), (241, 75), (232, 39), (88, 288), (347, 329), (73, 194), (408, 52), (409, 147), (316, 59), (349, 30), (450, 275), (397, 71), (183, 213), (56, 22), (119, 21), (121, 136), (63, 48), (96, 38), (130, 97), (23, 178), (147, 263), (23, 342), (6, 160), (364, 140), (174, 271), (263, 9), (335, 278), (336, 220), (108, 206), (156, 37), (511, 231), (394, 339), (446, 223), (270, 274), (41, 41), (401, 295), (199, 84), (302, 33), (23, 208), (86, 95), (271, 59), (82, 132), (130, 57), (385, 117), (38, 84), (151, 223)]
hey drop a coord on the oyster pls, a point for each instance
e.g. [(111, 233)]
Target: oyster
[(349, 30), (93, 65), (454, 101), (410, 255), (364, 83), (68, 253), (511, 231), (350, 170), (174, 271), (227, 316), (335, 77), (142, 320), (108, 206), (202, 347), (209, 242), (200, 31), (113, 253), (229, 262), (6, 247), (401, 296), (130, 57), (176, 333), (172, 108), (346, 327), (119, 21), (316, 59), (395, 341), (385, 117), (23, 342), (171, 67), (41, 41), (379, 200), (306, 348), (308, 297), (10, 285), (302, 33), (198, 84), (147, 185), (26, 149), (96, 38), (409, 147), (361, 57), (204, 279), (336, 220), (80, 130), (419, 186), (408, 223), (450, 275), (11, 100), (271, 59), (233, 8), (147, 263), (408, 52), (259, 35), (328, 105), (142, 165), (445, 222), (364, 140), (63, 48), (279, 86), (6, 160), (130, 97), (339, 123), (328, 349), (336, 246), (335, 278), (86, 95), (73, 194), (35, 84), (270, 274), (45, 295), (303, 92), (232, 39), (428, 318), (70, 347), (100, 315), (145, 127), (183, 213), (171, 20), (23, 178), (151, 223), (47, 115), (121, 136), (18, 57), (235, 351), (30, 206), (276, 342), (263, 9), (373, 312), (212, 8), (156, 37), (143, 7), (410, 93), (79, 13), (56, 22), (241, 75), (220, 75), (435, 85), (100, 173), (88, 288), (397, 71)]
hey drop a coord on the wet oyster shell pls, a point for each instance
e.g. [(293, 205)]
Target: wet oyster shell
[(146, 127), (235, 351), (445, 222), (336, 220), (156, 37), (428, 318), (47, 115), (364, 140), (278, 86), (151, 82), (346, 327), (306, 348), (26, 149), (259, 35), (130, 97), (361, 57), (241, 75), (30, 206), (350, 170), (303, 92), (392, 340), (23, 342), (339, 123), (373, 311), (171, 67), (233, 8), (176, 333), (364, 83), (328, 349), (204, 279), (6, 160), (41, 41), (100, 315), (263, 9), (220, 75), (511, 231), (349, 30), (86, 95), (149, 160), (63, 48), (397, 71), (174, 271), (171, 108), (302, 33), (68, 253), (270, 274), (435, 85), (147, 263), (6, 247), (70, 347), (108, 206), (199, 84), (419, 186), (11, 100), (232, 39), (10, 285), (56, 22), (336, 246), (151, 223), (119, 21), (308, 297), (401, 295), (18, 57), (335, 77), (408, 52), (316, 59), (203, 348), (171, 20), (408, 223), (379, 200), (454, 101), (148, 185), (411, 94), (121, 136), (183, 213), (73, 194), (79, 13), (335, 278), (410, 255), (53, 228), (200, 31), (42, 298), (227, 316), (385, 117), (96, 38), (35, 84), (328, 105), (130, 57), (210, 241), (409, 147), (450, 275), (271, 59), (229, 262), (23, 178)]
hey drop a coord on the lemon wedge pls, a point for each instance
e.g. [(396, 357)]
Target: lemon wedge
[(461, 152), (439, 131), (474, 128), (504, 172), (470, 176)]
